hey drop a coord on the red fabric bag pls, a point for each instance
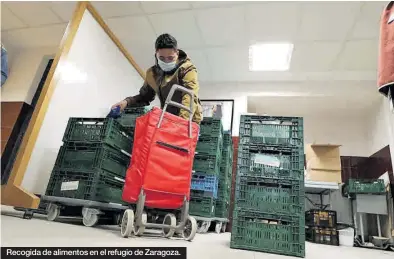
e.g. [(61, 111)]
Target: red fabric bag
[(162, 160)]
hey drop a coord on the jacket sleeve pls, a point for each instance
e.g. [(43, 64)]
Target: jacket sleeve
[(190, 82), (146, 95)]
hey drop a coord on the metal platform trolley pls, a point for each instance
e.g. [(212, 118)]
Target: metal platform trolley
[(93, 189), (91, 211), (205, 223), (159, 176)]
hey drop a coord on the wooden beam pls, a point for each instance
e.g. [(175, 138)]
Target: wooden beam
[(12, 193)]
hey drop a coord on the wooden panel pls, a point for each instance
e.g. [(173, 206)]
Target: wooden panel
[(5, 133), (9, 115)]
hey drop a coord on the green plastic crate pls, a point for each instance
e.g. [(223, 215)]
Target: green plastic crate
[(92, 157), (202, 206), (96, 130), (271, 196), (93, 186), (130, 115), (137, 110), (271, 130), (366, 186), (209, 146), (222, 209), (128, 120), (268, 233), (211, 127), (271, 161), (209, 164)]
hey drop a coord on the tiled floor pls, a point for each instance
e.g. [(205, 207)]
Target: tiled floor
[(16, 231)]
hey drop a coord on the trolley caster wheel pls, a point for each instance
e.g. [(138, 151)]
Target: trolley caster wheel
[(224, 227), (203, 226), (170, 220), (90, 219), (127, 224), (53, 212), (28, 214), (190, 229), (218, 227), (139, 230)]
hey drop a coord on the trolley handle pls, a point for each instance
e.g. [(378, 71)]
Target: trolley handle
[(169, 102)]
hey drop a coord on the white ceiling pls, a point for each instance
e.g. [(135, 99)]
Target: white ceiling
[(335, 42)]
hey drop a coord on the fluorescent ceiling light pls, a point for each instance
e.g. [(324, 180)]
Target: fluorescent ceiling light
[(270, 56)]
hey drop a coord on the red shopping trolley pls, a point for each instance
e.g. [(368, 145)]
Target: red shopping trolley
[(160, 172)]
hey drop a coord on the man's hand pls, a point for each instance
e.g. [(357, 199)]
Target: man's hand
[(121, 104)]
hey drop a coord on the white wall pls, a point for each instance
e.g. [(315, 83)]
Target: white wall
[(240, 102), (26, 69), (381, 129), (94, 76), (349, 131)]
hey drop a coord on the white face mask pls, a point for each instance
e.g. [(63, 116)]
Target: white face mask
[(166, 66)]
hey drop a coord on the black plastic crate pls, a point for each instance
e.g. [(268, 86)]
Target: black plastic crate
[(95, 130), (270, 196), (93, 186), (319, 235), (321, 218), (209, 164), (271, 130), (88, 157), (271, 161), (268, 233)]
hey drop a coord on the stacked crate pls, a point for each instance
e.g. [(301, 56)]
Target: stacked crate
[(206, 168), (226, 169), (269, 198), (321, 227), (92, 163), (129, 117)]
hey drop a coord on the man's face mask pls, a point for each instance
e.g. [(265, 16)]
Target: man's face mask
[(166, 66), (166, 59)]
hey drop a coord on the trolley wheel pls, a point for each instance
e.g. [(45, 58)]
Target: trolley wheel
[(53, 212), (218, 227), (203, 226), (90, 219), (139, 230), (190, 229), (224, 227), (127, 224), (169, 219)]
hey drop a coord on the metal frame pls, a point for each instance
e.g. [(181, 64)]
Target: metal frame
[(142, 196), (320, 188), (169, 102), (223, 100), (140, 209)]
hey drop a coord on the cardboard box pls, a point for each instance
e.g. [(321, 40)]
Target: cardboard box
[(323, 157), (323, 163), (324, 176)]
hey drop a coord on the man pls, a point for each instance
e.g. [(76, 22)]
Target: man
[(172, 67)]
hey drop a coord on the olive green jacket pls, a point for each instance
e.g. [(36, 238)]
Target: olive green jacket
[(158, 82)]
